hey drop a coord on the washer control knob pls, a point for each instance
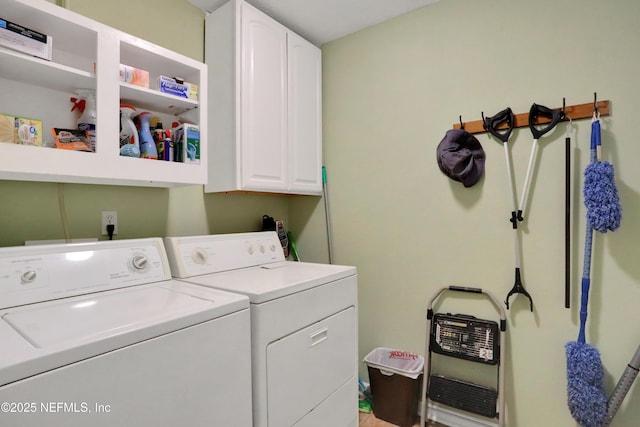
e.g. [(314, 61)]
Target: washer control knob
[(199, 256), (28, 277), (272, 247), (250, 250), (262, 248), (139, 262)]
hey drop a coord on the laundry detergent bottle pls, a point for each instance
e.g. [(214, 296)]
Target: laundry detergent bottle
[(129, 139), (86, 104), (147, 144)]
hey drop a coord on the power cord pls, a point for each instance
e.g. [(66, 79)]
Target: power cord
[(63, 213), (110, 229)]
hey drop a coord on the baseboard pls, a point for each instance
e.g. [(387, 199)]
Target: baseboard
[(446, 416)]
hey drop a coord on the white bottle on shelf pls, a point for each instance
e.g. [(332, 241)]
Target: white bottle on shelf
[(86, 102)]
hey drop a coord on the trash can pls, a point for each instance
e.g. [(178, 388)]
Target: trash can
[(396, 381)]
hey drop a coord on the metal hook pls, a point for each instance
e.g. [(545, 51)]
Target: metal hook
[(461, 124), (484, 121), (595, 103), (569, 126), (564, 107)]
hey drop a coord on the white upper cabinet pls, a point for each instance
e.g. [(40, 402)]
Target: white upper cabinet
[(305, 115), (87, 55), (265, 104)]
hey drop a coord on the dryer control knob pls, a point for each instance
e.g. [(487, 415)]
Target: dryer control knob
[(272, 247), (28, 277), (250, 250), (139, 262), (262, 248), (199, 256)]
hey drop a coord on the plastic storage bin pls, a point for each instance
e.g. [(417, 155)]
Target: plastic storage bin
[(396, 379)]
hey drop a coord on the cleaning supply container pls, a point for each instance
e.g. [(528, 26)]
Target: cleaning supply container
[(148, 148), (129, 139), (86, 104), (396, 378)]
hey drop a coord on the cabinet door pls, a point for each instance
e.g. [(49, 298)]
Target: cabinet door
[(305, 116), (263, 102)]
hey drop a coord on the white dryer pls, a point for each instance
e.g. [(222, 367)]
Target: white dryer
[(99, 334), (303, 325)]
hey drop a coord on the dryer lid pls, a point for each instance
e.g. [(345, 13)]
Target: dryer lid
[(275, 280)]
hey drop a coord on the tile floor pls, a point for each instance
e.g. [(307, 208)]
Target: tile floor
[(369, 420)]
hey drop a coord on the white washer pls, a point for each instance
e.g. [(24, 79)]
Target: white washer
[(303, 325), (100, 334)]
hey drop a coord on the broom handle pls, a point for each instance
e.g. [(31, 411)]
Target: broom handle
[(624, 385), (327, 213)]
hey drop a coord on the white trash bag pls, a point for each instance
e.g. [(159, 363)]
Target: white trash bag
[(390, 361)]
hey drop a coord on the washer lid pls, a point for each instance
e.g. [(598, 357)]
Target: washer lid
[(274, 280), (44, 336), (69, 321)]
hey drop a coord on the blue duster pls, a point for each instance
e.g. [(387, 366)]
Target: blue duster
[(600, 193), (601, 197), (586, 397), (585, 385)]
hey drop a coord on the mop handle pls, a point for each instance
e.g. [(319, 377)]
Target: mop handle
[(624, 385)]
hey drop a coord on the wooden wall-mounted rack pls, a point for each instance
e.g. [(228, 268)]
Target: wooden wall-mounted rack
[(580, 111)]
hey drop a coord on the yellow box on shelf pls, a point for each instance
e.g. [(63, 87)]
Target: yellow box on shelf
[(20, 130)]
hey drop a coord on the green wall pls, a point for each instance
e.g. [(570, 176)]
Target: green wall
[(390, 94), (35, 211)]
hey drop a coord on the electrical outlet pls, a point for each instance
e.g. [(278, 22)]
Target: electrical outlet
[(109, 217)]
